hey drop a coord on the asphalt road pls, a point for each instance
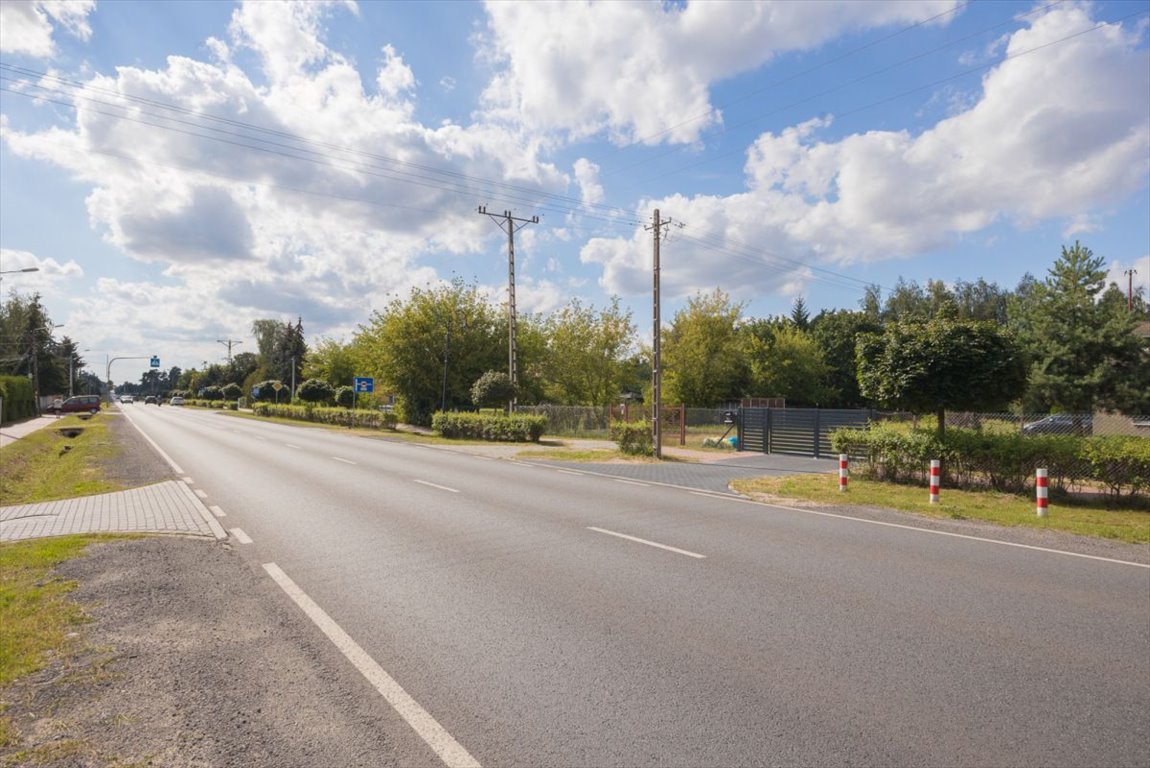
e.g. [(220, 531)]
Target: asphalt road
[(505, 599)]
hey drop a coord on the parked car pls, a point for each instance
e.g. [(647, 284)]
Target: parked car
[(127, 399), (177, 400), (151, 400), (77, 404), (1060, 424)]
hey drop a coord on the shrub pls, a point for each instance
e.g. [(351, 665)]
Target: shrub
[(16, 392), (341, 417), (212, 393), (634, 437), (492, 389), (516, 428), (315, 391), (345, 397), (233, 391)]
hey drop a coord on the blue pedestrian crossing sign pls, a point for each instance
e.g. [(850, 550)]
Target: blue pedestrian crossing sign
[(155, 361), (364, 384)]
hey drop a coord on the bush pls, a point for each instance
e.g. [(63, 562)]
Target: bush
[(516, 428), (345, 397), (341, 417), (212, 393), (233, 391), (18, 398), (634, 437), (315, 391), (492, 389), (1004, 462)]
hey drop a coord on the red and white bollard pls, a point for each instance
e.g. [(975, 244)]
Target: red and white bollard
[(1041, 489), (935, 472), (842, 472)]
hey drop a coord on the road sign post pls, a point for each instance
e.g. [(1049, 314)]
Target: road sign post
[(364, 384)]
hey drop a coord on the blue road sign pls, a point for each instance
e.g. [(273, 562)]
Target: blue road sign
[(364, 384), (155, 361)]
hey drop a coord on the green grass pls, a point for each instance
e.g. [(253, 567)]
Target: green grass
[(35, 614), (1083, 518), (45, 465)]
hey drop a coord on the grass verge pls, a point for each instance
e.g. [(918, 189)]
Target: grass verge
[(1082, 518), (46, 465)]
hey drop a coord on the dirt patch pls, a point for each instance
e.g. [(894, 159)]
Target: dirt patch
[(190, 659)]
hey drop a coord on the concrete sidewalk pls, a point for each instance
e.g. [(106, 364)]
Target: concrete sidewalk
[(169, 507), (10, 433)]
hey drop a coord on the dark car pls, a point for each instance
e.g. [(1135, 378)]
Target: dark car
[(151, 400), (77, 404), (1060, 424)]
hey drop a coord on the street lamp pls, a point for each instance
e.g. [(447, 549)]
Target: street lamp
[(14, 271)]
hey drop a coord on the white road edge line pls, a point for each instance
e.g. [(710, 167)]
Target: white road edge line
[(289, 445), (345, 461), (648, 543), (924, 530), (632, 482), (241, 537), (217, 511), (569, 472), (175, 467), (450, 751), (433, 485)]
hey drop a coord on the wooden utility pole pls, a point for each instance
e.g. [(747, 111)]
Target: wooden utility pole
[(1130, 289), (656, 362), (510, 224)]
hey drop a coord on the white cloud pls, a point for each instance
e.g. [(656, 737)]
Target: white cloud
[(587, 175), (586, 68), (27, 27), (260, 224), (1059, 134)]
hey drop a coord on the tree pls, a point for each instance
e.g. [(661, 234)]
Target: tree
[(431, 347), (940, 365), (315, 391), (332, 361), (492, 389), (585, 353), (789, 365), (232, 391), (703, 355), (799, 314), (836, 332), (1084, 351)]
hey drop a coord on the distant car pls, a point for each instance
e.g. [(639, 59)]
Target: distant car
[(127, 399), (1060, 424), (77, 404), (177, 400), (151, 400)]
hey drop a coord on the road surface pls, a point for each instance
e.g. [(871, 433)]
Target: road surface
[(517, 614)]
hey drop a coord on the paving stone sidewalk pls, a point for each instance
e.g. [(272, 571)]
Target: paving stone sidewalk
[(168, 507)]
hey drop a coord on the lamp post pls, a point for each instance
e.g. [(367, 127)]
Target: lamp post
[(71, 371), (36, 359)]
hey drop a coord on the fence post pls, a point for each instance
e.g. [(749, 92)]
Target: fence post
[(1041, 490), (843, 469), (935, 469)]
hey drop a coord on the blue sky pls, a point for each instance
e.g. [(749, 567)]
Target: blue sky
[(177, 170)]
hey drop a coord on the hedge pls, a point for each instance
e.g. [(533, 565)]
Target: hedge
[(340, 417), (18, 398), (634, 437), (516, 428), (1004, 462)]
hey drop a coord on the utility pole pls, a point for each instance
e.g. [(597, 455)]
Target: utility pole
[(1130, 289), (229, 343), (656, 363), (510, 224)]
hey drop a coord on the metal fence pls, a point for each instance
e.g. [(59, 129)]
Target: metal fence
[(1081, 424)]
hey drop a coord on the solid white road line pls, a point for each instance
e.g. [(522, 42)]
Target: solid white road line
[(433, 485), (345, 461), (569, 472), (648, 543), (441, 742), (175, 467), (217, 511), (632, 482), (930, 531), (289, 445), (241, 537)]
